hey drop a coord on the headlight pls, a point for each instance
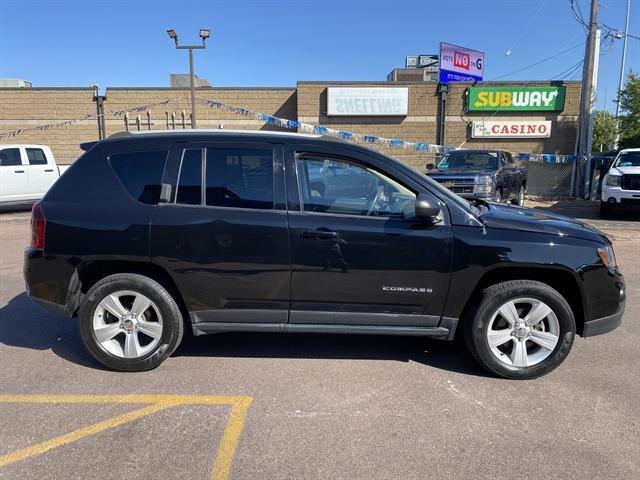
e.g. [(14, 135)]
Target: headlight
[(607, 256), (484, 184), (613, 180)]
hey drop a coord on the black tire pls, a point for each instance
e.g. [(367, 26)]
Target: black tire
[(490, 300), (172, 321), (606, 210), (519, 200)]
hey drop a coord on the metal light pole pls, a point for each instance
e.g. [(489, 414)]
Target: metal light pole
[(621, 83), (204, 34)]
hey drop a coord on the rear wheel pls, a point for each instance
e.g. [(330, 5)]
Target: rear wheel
[(520, 329), (130, 322)]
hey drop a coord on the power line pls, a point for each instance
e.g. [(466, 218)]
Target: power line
[(540, 61)]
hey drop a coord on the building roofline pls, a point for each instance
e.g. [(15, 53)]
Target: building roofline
[(202, 88)]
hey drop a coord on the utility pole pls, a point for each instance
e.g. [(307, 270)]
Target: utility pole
[(621, 83), (588, 74)]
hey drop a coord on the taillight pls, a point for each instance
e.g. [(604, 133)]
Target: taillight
[(38, 225)]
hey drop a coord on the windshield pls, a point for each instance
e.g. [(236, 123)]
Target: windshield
[(469, 161), (628, 159)]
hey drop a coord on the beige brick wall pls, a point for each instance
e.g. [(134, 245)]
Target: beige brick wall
[(30, 107), (24, 108), (274, 101)]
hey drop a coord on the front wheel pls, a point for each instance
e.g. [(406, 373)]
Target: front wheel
[(519, 200), (520, 329), (130, 322), (606, 210)]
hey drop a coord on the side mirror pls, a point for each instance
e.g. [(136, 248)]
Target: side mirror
[(427, 209), (431, 166)]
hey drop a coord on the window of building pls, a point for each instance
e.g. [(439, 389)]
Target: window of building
[(140, 173), (241, 178), (36, 156), (9, 157), (340, 187), (190, 178)]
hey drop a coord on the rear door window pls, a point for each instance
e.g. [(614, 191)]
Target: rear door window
[(240, 178), (36, 156), (10, 157), (190, 178), (140, 173)]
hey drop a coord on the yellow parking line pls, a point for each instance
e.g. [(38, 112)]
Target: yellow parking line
[(55, 442), (224, 456), (230, 438)]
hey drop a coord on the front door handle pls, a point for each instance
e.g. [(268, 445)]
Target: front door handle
[(320, 234), (18, 171)]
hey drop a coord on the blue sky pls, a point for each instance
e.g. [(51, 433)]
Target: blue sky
[(277, 42)]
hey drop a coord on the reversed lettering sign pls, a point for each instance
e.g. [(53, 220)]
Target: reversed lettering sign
[(511, 129), (367, 101), (516, 98), (459, 64)]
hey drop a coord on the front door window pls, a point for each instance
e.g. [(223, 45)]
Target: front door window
[(341, 187)]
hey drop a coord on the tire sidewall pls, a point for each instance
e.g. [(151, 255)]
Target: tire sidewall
[(490, 304), (171, 321)]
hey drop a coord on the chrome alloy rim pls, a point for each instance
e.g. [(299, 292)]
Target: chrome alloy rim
[(523, 332), (127, 324)]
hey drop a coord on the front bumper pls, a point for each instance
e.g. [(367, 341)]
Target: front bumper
[(599, 326), (622, 197)]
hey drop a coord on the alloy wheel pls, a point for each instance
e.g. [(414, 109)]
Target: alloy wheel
[(127, 324), (523, 332)]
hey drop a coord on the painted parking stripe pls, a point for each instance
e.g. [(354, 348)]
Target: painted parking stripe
[(156, 403)]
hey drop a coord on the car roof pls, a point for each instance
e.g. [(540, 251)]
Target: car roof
[(630, 150), (205, 134), (18, 145)]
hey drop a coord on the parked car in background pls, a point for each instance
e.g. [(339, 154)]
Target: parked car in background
[(26, 173), (484, 174), (621, 184), (151, 233)]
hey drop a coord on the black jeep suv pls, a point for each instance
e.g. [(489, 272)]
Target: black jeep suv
[(147, 234)]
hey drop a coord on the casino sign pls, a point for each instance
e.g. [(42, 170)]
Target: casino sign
[(511, 129)]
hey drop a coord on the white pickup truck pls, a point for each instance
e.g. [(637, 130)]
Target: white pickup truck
[(26, 173)]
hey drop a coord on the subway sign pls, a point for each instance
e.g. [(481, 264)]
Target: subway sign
[(547, 99)]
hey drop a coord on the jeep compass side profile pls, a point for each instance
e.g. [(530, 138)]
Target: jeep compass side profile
[(148, 234)]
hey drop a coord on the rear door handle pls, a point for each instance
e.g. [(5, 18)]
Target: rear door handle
[(49, 170), (18, 171), (318, 234)]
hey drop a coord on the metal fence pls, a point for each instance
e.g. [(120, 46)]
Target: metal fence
[(555, 180)]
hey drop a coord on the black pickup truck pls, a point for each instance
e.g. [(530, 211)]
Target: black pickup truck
[(484, 174)]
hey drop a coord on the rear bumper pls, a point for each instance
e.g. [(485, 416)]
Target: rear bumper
[(46, 281)]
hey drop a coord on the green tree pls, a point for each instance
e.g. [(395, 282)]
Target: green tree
[(630, 112), (604, 131)]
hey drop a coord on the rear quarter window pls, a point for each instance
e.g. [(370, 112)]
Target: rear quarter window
[(140, 173)]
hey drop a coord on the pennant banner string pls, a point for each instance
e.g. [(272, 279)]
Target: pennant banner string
[(89, 116), (396, 143)]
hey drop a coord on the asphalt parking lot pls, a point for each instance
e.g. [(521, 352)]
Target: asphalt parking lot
[(311, 407)]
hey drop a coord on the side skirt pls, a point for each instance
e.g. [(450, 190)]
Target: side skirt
[(443, 333)]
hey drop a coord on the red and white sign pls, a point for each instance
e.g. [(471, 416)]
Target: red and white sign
[(511, 129)]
